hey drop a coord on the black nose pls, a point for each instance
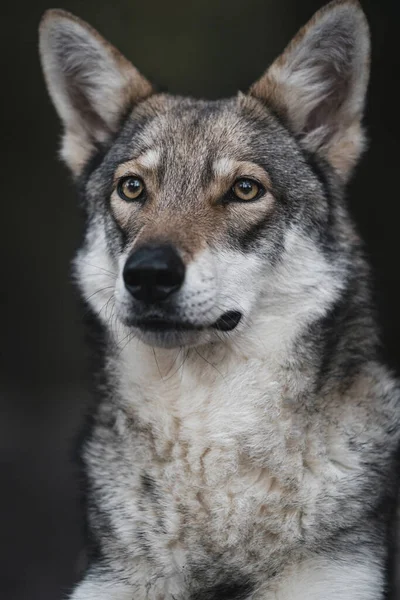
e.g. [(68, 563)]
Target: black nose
[(154, 272)]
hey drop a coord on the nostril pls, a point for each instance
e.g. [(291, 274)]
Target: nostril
[(167, 277), (131, 277), (152, 273), (152, 277)]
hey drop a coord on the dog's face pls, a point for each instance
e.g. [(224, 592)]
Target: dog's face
[(204, 217)]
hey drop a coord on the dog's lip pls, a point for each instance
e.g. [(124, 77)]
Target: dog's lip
[(159, 324), (228, 321)]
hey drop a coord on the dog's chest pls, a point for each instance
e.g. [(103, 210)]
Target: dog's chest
[(221, 470)]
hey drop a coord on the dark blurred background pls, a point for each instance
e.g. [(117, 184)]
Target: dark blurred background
[(204, 48)]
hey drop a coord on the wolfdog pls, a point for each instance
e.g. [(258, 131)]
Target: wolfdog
[(244, 439)]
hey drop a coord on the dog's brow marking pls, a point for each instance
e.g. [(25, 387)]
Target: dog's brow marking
[(224, 167), (150, 159), (227, 168)]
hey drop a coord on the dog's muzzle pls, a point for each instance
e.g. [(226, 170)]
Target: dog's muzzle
[(153, 273)]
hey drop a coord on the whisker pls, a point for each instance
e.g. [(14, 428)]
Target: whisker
[(181, 348), (101, 269), (209, 363), (183, 363), (96, 313), (174, 362), (158, 366), (108, 287), (130, 337)]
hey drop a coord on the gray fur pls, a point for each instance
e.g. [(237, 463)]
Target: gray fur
[(262, 463)]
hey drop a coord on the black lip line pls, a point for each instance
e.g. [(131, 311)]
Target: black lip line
[(227, 322), (158, 325)]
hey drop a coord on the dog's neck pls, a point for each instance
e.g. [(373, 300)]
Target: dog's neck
[(242, 402), (170, 377), (234, 403)]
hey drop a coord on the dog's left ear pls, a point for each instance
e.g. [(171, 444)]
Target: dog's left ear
[(91, 84), (318, 85)]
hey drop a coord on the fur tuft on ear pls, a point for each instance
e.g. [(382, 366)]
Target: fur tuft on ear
[(91, 84), (318, 85)]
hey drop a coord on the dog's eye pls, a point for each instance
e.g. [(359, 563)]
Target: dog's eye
[(246, 189), (131, 188)]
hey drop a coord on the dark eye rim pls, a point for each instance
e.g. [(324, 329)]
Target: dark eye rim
[(120, 191), (232, 197)]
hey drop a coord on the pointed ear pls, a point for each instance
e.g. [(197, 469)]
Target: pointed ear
[(318, 85), (91, 84)]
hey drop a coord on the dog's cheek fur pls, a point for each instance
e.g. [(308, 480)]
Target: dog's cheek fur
[(95, 270), (221, 280)]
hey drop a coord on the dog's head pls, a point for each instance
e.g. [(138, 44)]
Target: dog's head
[(205, 217)]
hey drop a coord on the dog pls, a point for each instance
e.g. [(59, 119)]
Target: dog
[(244, 442)]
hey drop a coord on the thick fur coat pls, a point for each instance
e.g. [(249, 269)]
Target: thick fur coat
[(245, 436)]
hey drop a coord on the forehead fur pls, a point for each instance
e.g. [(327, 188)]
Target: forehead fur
[(184, 128), (185, 150), (188, 142)]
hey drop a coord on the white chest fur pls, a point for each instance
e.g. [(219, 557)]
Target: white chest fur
[(236, 457)]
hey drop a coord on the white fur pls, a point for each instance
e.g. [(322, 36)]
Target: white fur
[(96, 272), (98, 589), (150, 159), (316, 579), (320, 579), (224, 167)]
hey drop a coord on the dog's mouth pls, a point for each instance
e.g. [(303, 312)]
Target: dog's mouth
[(155, 324), (228, 321)]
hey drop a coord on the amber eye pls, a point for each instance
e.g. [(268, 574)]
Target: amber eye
[(131, 188), (246, 189)]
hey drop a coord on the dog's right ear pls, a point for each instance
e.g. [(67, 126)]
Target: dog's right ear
[(91, 84)]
